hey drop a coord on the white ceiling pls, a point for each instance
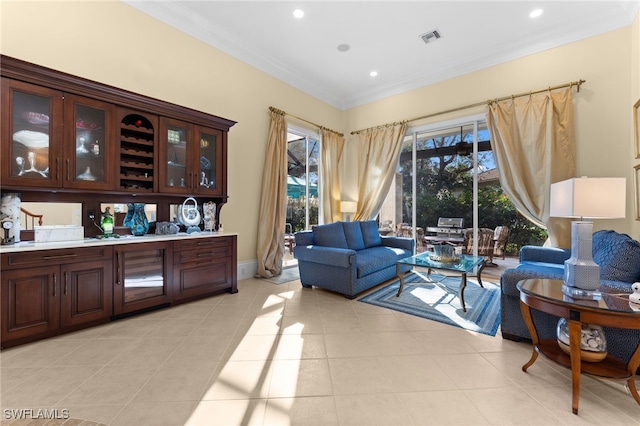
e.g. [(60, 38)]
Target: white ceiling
[(383, 36)]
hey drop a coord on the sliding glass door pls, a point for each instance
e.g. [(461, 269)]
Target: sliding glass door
[(303, 159), (441, 168)]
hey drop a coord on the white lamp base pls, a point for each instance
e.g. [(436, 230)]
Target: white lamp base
[(580, 271)]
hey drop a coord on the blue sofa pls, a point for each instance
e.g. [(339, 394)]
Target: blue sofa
[(618, 256), (349, 257)]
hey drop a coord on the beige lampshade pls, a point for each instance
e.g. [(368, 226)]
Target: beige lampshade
[(593, 198), (348, 206)]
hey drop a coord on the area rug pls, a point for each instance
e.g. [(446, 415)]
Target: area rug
[(440, 302), (287, 275)]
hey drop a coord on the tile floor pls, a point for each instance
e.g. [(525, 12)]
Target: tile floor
[(282, 355)]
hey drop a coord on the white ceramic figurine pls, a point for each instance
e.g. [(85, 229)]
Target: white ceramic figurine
[(635, 296)]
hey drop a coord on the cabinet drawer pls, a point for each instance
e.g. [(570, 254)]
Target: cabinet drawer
[(201, 243), (201, 254), (56, 257)]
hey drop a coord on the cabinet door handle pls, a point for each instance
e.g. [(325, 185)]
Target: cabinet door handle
[(57, 168), (60, 256), (66, 283), (68, 170), (117, 268), (55, 283)]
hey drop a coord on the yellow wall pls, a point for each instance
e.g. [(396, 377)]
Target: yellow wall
[(602, 107), (112, 43)]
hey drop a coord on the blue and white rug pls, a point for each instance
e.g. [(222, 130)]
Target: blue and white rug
[(440, 302), (287, 275)]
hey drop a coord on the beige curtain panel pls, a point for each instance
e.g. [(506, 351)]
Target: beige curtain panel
[(332, 145), (533, 143), (379, 151), (273, 201)]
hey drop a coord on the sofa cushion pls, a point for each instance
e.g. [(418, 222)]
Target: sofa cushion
[(370, 233), (618, 256), (330, 235), (353, 233), (376, 258)]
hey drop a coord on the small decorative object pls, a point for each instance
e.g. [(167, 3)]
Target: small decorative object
[(86, 175), (10, 217), (220, 228), (593, 345), (189, 214), (209, 210), (106, 222), (166, 228), (635, 296), (445, 253), (127, 219), (139, 224)]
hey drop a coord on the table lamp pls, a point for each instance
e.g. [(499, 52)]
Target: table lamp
[(348, 207), (585, 198)]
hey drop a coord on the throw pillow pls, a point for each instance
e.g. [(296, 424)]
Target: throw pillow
[(330, 235), (370, 233), (353, 233), (618, 256)]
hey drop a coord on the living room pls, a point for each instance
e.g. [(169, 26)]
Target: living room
[(113, 43)]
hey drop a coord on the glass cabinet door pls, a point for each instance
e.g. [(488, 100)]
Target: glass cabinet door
[(141, 277), (209, 161), (177, 175), (32, 133), (89, 133)]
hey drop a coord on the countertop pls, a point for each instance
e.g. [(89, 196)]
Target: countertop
[(24, 246)]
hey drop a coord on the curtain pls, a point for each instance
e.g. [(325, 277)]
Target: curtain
[(379, 151), (332, 146), (533, 143), (273, 201)]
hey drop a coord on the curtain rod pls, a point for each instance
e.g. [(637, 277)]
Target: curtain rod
[(279, 111), (487, 102)]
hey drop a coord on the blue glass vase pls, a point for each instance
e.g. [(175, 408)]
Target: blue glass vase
[(139, 224)]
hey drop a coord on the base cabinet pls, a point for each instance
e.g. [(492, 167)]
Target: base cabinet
[(70, 291), (203, 267), (51, 292), (30, 302)]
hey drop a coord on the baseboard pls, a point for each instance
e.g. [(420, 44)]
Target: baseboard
[(247, 269)]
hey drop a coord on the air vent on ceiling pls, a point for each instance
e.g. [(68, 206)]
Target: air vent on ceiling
[(430, 36)]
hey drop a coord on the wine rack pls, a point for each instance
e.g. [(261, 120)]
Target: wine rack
[(137, 144)]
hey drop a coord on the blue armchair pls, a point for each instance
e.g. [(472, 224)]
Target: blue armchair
[(348, 257), (618, 256)]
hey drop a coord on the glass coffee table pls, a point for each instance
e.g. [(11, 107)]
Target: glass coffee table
[(465, 265)]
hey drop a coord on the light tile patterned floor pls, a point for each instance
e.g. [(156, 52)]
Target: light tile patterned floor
[(283, 355)]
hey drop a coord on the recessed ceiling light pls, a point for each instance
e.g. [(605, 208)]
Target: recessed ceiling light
[(535, 13), (343, 47), (373, 73), (298, 13)]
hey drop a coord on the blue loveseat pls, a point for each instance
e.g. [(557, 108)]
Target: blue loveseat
[(348, 257), (618, 256)]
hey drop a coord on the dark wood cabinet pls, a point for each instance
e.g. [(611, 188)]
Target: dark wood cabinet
[(89, 143), (204, 266), (49, 292), (30, 302), (192, 159), (67, 139), (86, 292), (32, 130), (141, 277)]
